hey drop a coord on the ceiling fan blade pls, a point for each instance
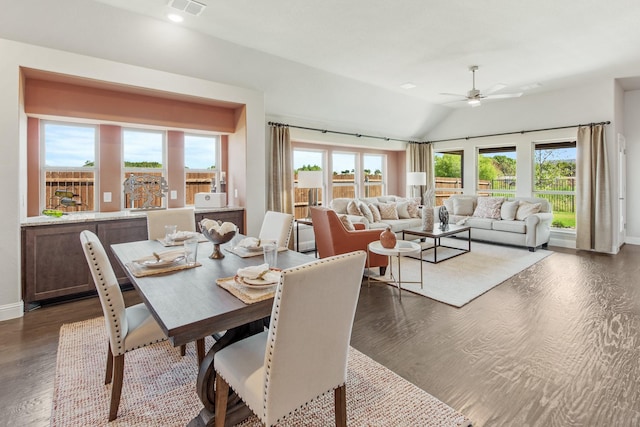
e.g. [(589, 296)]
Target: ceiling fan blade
[(495, 88), (504, 95), (454, 94)]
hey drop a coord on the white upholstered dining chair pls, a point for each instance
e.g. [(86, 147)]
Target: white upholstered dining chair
[(128, 328), (304, 353), (277, 226), (184, 218)]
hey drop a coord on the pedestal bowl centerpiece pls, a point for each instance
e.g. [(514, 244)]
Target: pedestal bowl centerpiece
[(217, 232)]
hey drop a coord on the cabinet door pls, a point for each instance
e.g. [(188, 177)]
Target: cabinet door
[(121, 231), (236, 217), (53, 261)]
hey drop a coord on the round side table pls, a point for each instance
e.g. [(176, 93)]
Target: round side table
[(402, 248)]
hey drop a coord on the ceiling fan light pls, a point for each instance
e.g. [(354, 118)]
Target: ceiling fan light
[(474, 102)]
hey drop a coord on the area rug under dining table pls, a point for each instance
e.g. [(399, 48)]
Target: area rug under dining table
[(459, 280), (159, 389)]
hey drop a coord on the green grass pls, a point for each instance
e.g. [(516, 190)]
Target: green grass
[(564, 220)]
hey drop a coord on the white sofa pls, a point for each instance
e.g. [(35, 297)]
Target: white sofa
[(397, 225), (531, 230)]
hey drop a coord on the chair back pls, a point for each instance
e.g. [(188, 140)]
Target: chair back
[(310, 330), (328, 231), (108, 288), (277, 226), (184, 218)]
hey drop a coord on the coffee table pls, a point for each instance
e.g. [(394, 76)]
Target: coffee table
[(402, 248), (436, 234)]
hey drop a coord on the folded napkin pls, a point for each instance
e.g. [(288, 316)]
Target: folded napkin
[(261, 271), (183, 235), (249, 243)]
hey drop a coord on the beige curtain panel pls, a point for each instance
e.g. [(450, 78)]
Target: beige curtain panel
[(594, 222), (420, 159), (280, 173)]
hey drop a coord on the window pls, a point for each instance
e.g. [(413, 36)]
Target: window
[(555, 180), (306, 160), (344, 170), (374, 178), (69, 152), (202, 174), (448, 174), (144, 171), (497, 171)]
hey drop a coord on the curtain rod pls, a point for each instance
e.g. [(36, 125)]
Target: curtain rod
[(358, 135), (518, 132)]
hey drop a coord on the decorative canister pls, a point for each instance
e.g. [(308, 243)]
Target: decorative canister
[(388, 238), (427, 218)]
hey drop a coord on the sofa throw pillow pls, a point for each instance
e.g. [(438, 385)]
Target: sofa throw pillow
[(414, 211), (366, 212), (403, 210), (525, 209), (346, 222), (488, 207), (375, 212), (388, 210), (352, 208), (462, 206), (508, 210)]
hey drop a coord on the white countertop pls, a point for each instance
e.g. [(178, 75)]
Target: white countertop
[(79, 217)]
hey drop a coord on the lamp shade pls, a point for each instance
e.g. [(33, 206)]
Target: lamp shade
[(310, 179), (416, 178)]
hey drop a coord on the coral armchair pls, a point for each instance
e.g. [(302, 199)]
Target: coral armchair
[(333, 239)]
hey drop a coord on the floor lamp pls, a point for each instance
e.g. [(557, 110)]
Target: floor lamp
[(416, 179), (311, 180)]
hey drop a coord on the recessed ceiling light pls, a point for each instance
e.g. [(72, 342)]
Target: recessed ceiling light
[(407, 85), (175, 17)]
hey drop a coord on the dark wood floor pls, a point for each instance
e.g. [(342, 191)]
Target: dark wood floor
[(556, 345)]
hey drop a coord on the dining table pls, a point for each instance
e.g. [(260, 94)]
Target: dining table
[(189, 305)]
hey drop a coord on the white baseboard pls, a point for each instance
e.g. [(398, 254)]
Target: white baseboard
[(632, 240), (11, 311)]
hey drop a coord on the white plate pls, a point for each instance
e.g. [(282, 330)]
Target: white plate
[(153, 263), (254, 283)]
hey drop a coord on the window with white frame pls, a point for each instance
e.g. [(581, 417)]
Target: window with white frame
[(373, 166), (144, 166), (496, 171), (344, 175), (69, 167), (554, 179), (201, 166), (448, 171)]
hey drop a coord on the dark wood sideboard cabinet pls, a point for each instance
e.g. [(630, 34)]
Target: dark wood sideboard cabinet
[(53, 264)]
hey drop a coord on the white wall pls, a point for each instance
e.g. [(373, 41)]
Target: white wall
[(585, 104), (13, 146), (632, 135)]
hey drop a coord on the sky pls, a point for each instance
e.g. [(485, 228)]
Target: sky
[(73, 145)]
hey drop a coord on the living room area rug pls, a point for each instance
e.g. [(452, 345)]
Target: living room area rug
[(461, 279), (159, 389)]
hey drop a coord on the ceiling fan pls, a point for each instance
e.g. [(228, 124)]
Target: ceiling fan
[(474, 96)]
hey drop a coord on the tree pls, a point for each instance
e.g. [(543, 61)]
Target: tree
[(486, 168), (506, 165), (448, 165), (309, 168)]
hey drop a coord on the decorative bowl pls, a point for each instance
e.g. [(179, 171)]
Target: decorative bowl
[(217, 239)]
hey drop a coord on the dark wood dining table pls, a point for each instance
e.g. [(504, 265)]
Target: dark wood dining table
[(189, 305)]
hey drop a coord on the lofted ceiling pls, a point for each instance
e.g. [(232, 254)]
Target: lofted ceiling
[(524, 46)]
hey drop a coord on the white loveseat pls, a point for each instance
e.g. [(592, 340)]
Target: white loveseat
[(405, 219), (520, 221)]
